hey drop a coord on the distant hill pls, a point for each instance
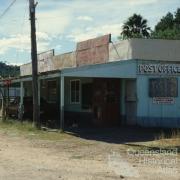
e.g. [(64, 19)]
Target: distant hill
[(8, 70)]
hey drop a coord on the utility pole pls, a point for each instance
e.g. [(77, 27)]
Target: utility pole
[(32, 12)]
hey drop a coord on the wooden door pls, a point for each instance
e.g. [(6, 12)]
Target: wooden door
[(106, 98)]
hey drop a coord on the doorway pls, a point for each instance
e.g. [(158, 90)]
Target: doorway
[(106, 101)]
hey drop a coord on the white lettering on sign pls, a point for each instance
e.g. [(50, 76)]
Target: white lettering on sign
[(163, 100), (159, 69)]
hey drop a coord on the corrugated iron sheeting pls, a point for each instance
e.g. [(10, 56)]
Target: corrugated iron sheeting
[(93, 51)]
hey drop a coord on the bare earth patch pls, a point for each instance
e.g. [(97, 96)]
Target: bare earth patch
[(76, 158)]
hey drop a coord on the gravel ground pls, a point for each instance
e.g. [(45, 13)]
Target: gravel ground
[(80, 158)]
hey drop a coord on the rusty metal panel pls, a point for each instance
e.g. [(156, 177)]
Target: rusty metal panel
[(93, 51)]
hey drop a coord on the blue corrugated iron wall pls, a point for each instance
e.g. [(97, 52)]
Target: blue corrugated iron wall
[(150, 114)]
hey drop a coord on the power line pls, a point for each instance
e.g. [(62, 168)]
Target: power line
[(7, 9)]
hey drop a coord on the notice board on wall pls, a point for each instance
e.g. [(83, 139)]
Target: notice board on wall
[(163, 87)]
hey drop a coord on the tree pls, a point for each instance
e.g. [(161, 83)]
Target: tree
[(171, 34), (177, 18), (167, 22), (168, 27), (136, 27), (8, 70)]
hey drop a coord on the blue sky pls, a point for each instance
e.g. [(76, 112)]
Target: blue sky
[(62, 23)]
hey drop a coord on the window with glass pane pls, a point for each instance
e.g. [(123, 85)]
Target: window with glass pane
[(163, 87), (75, 91), (52, 91)]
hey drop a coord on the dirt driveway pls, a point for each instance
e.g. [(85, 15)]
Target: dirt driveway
[(90, 156)]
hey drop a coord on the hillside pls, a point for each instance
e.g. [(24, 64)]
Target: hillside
[(8, 70)]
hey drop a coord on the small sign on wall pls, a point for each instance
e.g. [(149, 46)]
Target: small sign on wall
[(163, 100)]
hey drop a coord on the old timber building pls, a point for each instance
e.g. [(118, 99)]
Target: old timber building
[(132, 82)]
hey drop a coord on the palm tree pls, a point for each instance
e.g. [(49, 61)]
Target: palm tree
[(136, 27)]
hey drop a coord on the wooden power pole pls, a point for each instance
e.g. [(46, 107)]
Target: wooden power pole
[(32, 11)]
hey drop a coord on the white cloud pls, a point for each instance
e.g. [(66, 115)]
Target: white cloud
[(43, 36), (58, 47), (141, 2), (22, 42), (59, 19), (16, 64), (54, 22), (85, 18), (56, 17), (92, 32)]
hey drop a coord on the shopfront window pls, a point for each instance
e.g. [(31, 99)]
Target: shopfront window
[(52, 91), (163, 87), (75, 91)]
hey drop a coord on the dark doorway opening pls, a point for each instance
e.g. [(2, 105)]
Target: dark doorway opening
[(106, 102)]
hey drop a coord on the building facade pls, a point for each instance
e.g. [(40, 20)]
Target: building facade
[(132, 82)]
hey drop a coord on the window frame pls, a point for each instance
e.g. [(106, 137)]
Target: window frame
[(79, 102), (163, 78), (48, 91)]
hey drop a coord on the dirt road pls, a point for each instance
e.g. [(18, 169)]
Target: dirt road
[(75, 158)]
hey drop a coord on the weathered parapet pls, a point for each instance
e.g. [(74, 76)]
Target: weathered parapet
[(26, 69), (44, 63), (52, 63), (63, 61), (145, 49), (156, 49), (92, 51), (101, 50), (120, 51)]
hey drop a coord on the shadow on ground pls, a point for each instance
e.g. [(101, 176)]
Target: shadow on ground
[(119, 135)]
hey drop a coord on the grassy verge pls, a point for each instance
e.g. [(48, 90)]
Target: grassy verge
[(165, 140), (169, 139), (28, 130)]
